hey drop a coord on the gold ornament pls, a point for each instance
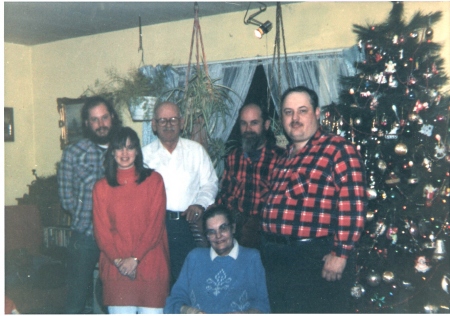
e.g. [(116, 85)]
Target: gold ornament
[(401, 149)]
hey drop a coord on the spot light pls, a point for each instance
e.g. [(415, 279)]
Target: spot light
[(263, 28)]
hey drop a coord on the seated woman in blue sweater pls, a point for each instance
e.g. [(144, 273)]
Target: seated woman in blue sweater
[(226, 278)]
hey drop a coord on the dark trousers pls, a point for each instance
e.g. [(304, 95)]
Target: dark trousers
[(83, 254), (294, 278), (181, 242)]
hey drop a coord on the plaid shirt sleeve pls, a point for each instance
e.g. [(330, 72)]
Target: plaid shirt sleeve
[(351, 204), (225, 183), (65, 187)]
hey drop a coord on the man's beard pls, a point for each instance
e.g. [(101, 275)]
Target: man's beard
[(101, 140), (251, 141)]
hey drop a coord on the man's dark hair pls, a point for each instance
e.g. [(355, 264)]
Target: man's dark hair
[(118, 141), (217, 210), (92, 103), (313, 98), (270, 135)]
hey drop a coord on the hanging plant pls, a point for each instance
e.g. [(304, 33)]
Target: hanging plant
[(133, 90), (203, 101)]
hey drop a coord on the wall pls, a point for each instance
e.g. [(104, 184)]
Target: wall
[(20, 156), (66, 68)]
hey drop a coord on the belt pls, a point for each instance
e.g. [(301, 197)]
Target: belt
[(174, 216), (285, 240)]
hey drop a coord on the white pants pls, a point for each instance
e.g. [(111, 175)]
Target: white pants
[(134, 310)]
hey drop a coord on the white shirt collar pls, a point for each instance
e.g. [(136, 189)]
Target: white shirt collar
[(233, 253)]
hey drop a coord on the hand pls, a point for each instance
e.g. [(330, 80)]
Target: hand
[(333, 267), (193, 213), (190, 310), (127, 267)]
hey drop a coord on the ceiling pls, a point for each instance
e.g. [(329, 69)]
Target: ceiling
[(32, 23)]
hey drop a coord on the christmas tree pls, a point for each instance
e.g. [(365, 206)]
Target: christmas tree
[(396, 115)]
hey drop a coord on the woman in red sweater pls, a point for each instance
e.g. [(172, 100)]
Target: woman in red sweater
[(129, 207)]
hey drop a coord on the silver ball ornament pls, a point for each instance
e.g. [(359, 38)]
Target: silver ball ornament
[(357, 291)]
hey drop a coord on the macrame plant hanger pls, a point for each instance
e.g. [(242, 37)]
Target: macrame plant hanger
[(197, 35), (195, 124), (276, 54), (141, 49)]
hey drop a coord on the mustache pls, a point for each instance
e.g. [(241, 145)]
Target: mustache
[(103, 128), (249, 134), (295, 124)]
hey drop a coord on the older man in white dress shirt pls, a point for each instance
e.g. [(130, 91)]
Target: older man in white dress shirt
[(189, 177)]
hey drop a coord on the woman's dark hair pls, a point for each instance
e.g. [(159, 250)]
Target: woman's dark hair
[(217, 210), (92, 102), (118, 141), (313, 98)]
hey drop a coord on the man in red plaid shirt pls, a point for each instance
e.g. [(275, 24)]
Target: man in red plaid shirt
[(314, 215), (247, 174)]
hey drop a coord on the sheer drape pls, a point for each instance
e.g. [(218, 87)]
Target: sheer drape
[(317, 70), (235, 75)]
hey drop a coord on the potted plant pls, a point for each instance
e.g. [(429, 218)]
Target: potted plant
[(203, 103), (134, 91)]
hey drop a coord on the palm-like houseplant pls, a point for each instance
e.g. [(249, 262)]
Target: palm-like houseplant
[(134, 91)]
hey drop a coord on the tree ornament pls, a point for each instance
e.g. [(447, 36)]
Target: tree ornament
[(428, 74), (395, 40), (373, 278), (392, 82), (380, 228), (413, 179), (412, 80), (429, 34), (391, 234), (392, 179), (369, 216), (413, 34), (390, 67), (401, 149), (440, 148), (427, 164), (427, 129), (422, 265), (439, 252), (388, 276), (357, 290), (445, 283), (431, 309), (381, 164), (428, 193), (407, 285)]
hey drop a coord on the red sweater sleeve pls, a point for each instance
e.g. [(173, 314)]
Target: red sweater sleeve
[(157, 210), (102, 224)]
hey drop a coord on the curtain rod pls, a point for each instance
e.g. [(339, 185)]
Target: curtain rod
[(260, 58)]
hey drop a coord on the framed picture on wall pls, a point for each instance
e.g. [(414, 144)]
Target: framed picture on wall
[(9, 124), (70, 120)]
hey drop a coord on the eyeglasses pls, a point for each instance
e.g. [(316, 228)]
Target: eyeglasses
[(223, 229), (164, 121)]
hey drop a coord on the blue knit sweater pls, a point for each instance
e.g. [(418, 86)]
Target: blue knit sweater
[(220, 286)]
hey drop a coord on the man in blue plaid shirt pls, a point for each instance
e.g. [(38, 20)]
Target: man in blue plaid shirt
[(80, 167)]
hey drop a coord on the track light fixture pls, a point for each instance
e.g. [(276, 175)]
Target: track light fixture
[(263, 28)]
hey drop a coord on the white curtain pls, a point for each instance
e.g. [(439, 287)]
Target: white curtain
[(235, 75), (319, 71)]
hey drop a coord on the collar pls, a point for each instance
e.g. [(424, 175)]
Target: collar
[(312, 141), (233, 253)]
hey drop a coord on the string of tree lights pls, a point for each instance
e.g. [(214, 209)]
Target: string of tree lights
[(396, 115)]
